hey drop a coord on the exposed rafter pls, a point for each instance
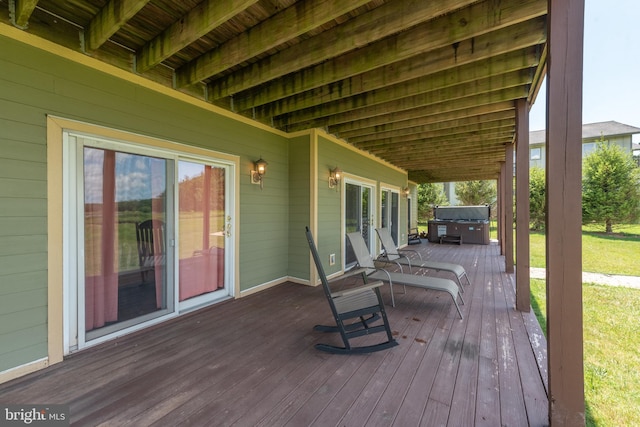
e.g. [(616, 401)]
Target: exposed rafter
[(281, 28), (111, 18), (367, 32), (22, 10), (200, 21), (419, 84), (468, 51), (453, 96)]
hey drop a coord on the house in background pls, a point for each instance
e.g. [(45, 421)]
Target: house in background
[(592, 133), (611, 131)]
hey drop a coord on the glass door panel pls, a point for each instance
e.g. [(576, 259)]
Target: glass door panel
[(124, 216), (358, 216), (203, 227), (390, 212), (395, 216)]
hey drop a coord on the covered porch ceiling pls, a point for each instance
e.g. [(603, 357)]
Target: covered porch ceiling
[(428, 86)]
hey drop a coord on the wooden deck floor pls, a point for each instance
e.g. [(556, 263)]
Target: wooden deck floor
[(251, 362)]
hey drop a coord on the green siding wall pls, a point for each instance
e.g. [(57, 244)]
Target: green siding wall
[(299, 206), (271, 221), (34, 84), (330, 155)]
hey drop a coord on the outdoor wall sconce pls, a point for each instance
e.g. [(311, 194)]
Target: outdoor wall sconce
[(335, 175), (260, 168), (405, 192)]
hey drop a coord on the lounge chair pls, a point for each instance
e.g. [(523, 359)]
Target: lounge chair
[(413, 237), (363, 303), (393, 254), (365, 260)]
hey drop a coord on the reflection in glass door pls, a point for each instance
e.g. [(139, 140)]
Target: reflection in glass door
[(124, 212), (203, 228), (390, 212), (146, 244), (358, 216)]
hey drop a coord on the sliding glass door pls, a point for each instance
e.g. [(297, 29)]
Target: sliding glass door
[(389, 215), (152, 236), (203, 230), (358, 214), (125, 279)]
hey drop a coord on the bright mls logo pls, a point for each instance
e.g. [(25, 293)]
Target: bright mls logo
[(37, 415)]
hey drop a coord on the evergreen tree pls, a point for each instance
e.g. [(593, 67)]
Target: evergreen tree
[(472, 193), (537, 198), (429, 195), (610, 187)]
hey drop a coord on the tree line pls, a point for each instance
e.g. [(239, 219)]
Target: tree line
[(610, 191)]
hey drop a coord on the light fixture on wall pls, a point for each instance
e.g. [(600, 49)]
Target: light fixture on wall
[(405, 192), (260, 168), (335, 175)]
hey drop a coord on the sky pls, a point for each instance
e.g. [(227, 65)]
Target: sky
[(611, 80)]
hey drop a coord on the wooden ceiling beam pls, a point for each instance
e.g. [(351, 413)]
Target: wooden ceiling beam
[(406, 158), (460, 145), (505, 40), (484, 172), (490, 67), (380, 22), (20, 11), (518, 80), (296, 20), (459, 163), (368, 41), (474, 101), (420, 116), (464, 166), (453, 142), (429, 156), (113, 16), (202, 19), (449, 127), (457, 144)]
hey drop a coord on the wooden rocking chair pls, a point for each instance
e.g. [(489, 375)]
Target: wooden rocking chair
[(363, 303)]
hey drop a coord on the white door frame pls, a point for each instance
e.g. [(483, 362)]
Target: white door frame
[(373, 208), (74, 336)]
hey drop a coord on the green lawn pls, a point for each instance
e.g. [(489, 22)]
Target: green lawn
[(615, 254), (611, 358), (611, 317)]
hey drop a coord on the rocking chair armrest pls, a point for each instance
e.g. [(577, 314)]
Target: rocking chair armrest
[(359, 289), (349, 273)]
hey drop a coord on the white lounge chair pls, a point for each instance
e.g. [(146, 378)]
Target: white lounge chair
[(366, 261), (393, 254)]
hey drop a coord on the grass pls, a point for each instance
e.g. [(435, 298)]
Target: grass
[(601, 253), (611, 357), (610, 324)]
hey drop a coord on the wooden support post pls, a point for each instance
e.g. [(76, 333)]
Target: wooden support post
[(523, 276), (508, 209), (501, 202), (564, 212)]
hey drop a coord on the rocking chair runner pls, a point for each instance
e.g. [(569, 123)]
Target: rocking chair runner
[(363, 303)]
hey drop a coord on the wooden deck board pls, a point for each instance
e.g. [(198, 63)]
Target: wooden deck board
[(488, 399), (512, 410), (252, 362)]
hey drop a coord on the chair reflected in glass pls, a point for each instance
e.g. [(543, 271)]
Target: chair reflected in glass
[(151, 246)]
